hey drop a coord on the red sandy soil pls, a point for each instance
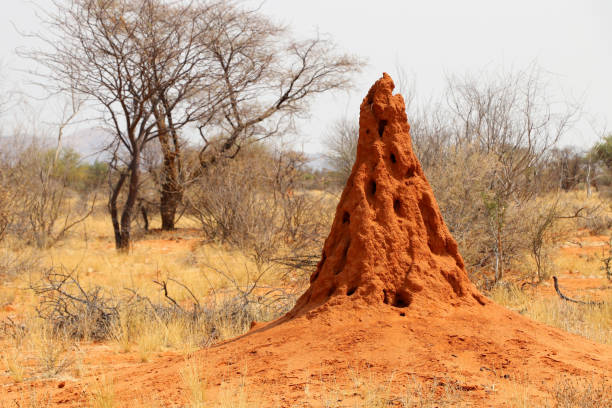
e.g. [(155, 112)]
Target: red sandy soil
[(167, 241), (390, 300), (487, 353), (586, 244)]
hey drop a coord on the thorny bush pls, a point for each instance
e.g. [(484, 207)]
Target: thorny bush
[(79, 312), (257, 202)]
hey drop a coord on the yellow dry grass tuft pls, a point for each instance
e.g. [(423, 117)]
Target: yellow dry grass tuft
[(102, 394)]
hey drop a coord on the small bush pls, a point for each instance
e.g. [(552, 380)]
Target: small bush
[(77, 312), (257, 203)]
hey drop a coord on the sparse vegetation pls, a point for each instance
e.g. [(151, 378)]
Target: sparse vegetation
[(220, 224)]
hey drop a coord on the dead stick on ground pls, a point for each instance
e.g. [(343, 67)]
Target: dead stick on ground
[(562, 296)]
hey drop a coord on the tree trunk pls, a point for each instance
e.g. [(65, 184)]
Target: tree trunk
[(112, 207), (588, 180), (171, 193), (145, 216), (168, 206), (499, 264), (130, 203)]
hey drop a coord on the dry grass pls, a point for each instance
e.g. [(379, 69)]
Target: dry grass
[(102, 394), (192, 378), (362, 392), (213, 273), (229, 395), (583, 393), (13, 363), (52, 350), (591, 321), (154, 258)]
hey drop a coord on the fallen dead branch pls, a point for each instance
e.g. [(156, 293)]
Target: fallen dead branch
[(568, 299)]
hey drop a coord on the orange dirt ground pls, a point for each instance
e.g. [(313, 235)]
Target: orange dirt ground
[(390, 302)]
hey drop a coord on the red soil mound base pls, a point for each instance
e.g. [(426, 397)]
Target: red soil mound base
[(492, 356), (390, 302)]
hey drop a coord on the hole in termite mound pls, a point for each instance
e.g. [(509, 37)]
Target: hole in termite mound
[(397, 299), (397, 207), (401, 301), (372, 188), (381, 127), (346, 218), (393, 159), (351, 291)]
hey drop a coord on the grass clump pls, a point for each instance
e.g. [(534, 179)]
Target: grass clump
[(192, 379), (103, 394)]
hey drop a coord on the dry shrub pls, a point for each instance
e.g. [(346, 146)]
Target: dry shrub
[(542, 228), (461, 183), (5, 213), (458, 182), (17, 262), (42, 208), (256, 202), (53, 350), (529, 227), (596, 219), (592, 212), (8, 192), (70, 309), (260, 295)]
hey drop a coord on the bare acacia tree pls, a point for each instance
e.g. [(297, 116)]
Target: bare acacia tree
[(267, 78), (513, 119), (229, 69), (96, 49), (341, 144), (178, 69)]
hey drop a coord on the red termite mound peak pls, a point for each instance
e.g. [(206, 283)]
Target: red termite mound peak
[(388, 243)]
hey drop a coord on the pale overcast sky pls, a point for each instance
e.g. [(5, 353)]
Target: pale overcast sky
[(570, 39)]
